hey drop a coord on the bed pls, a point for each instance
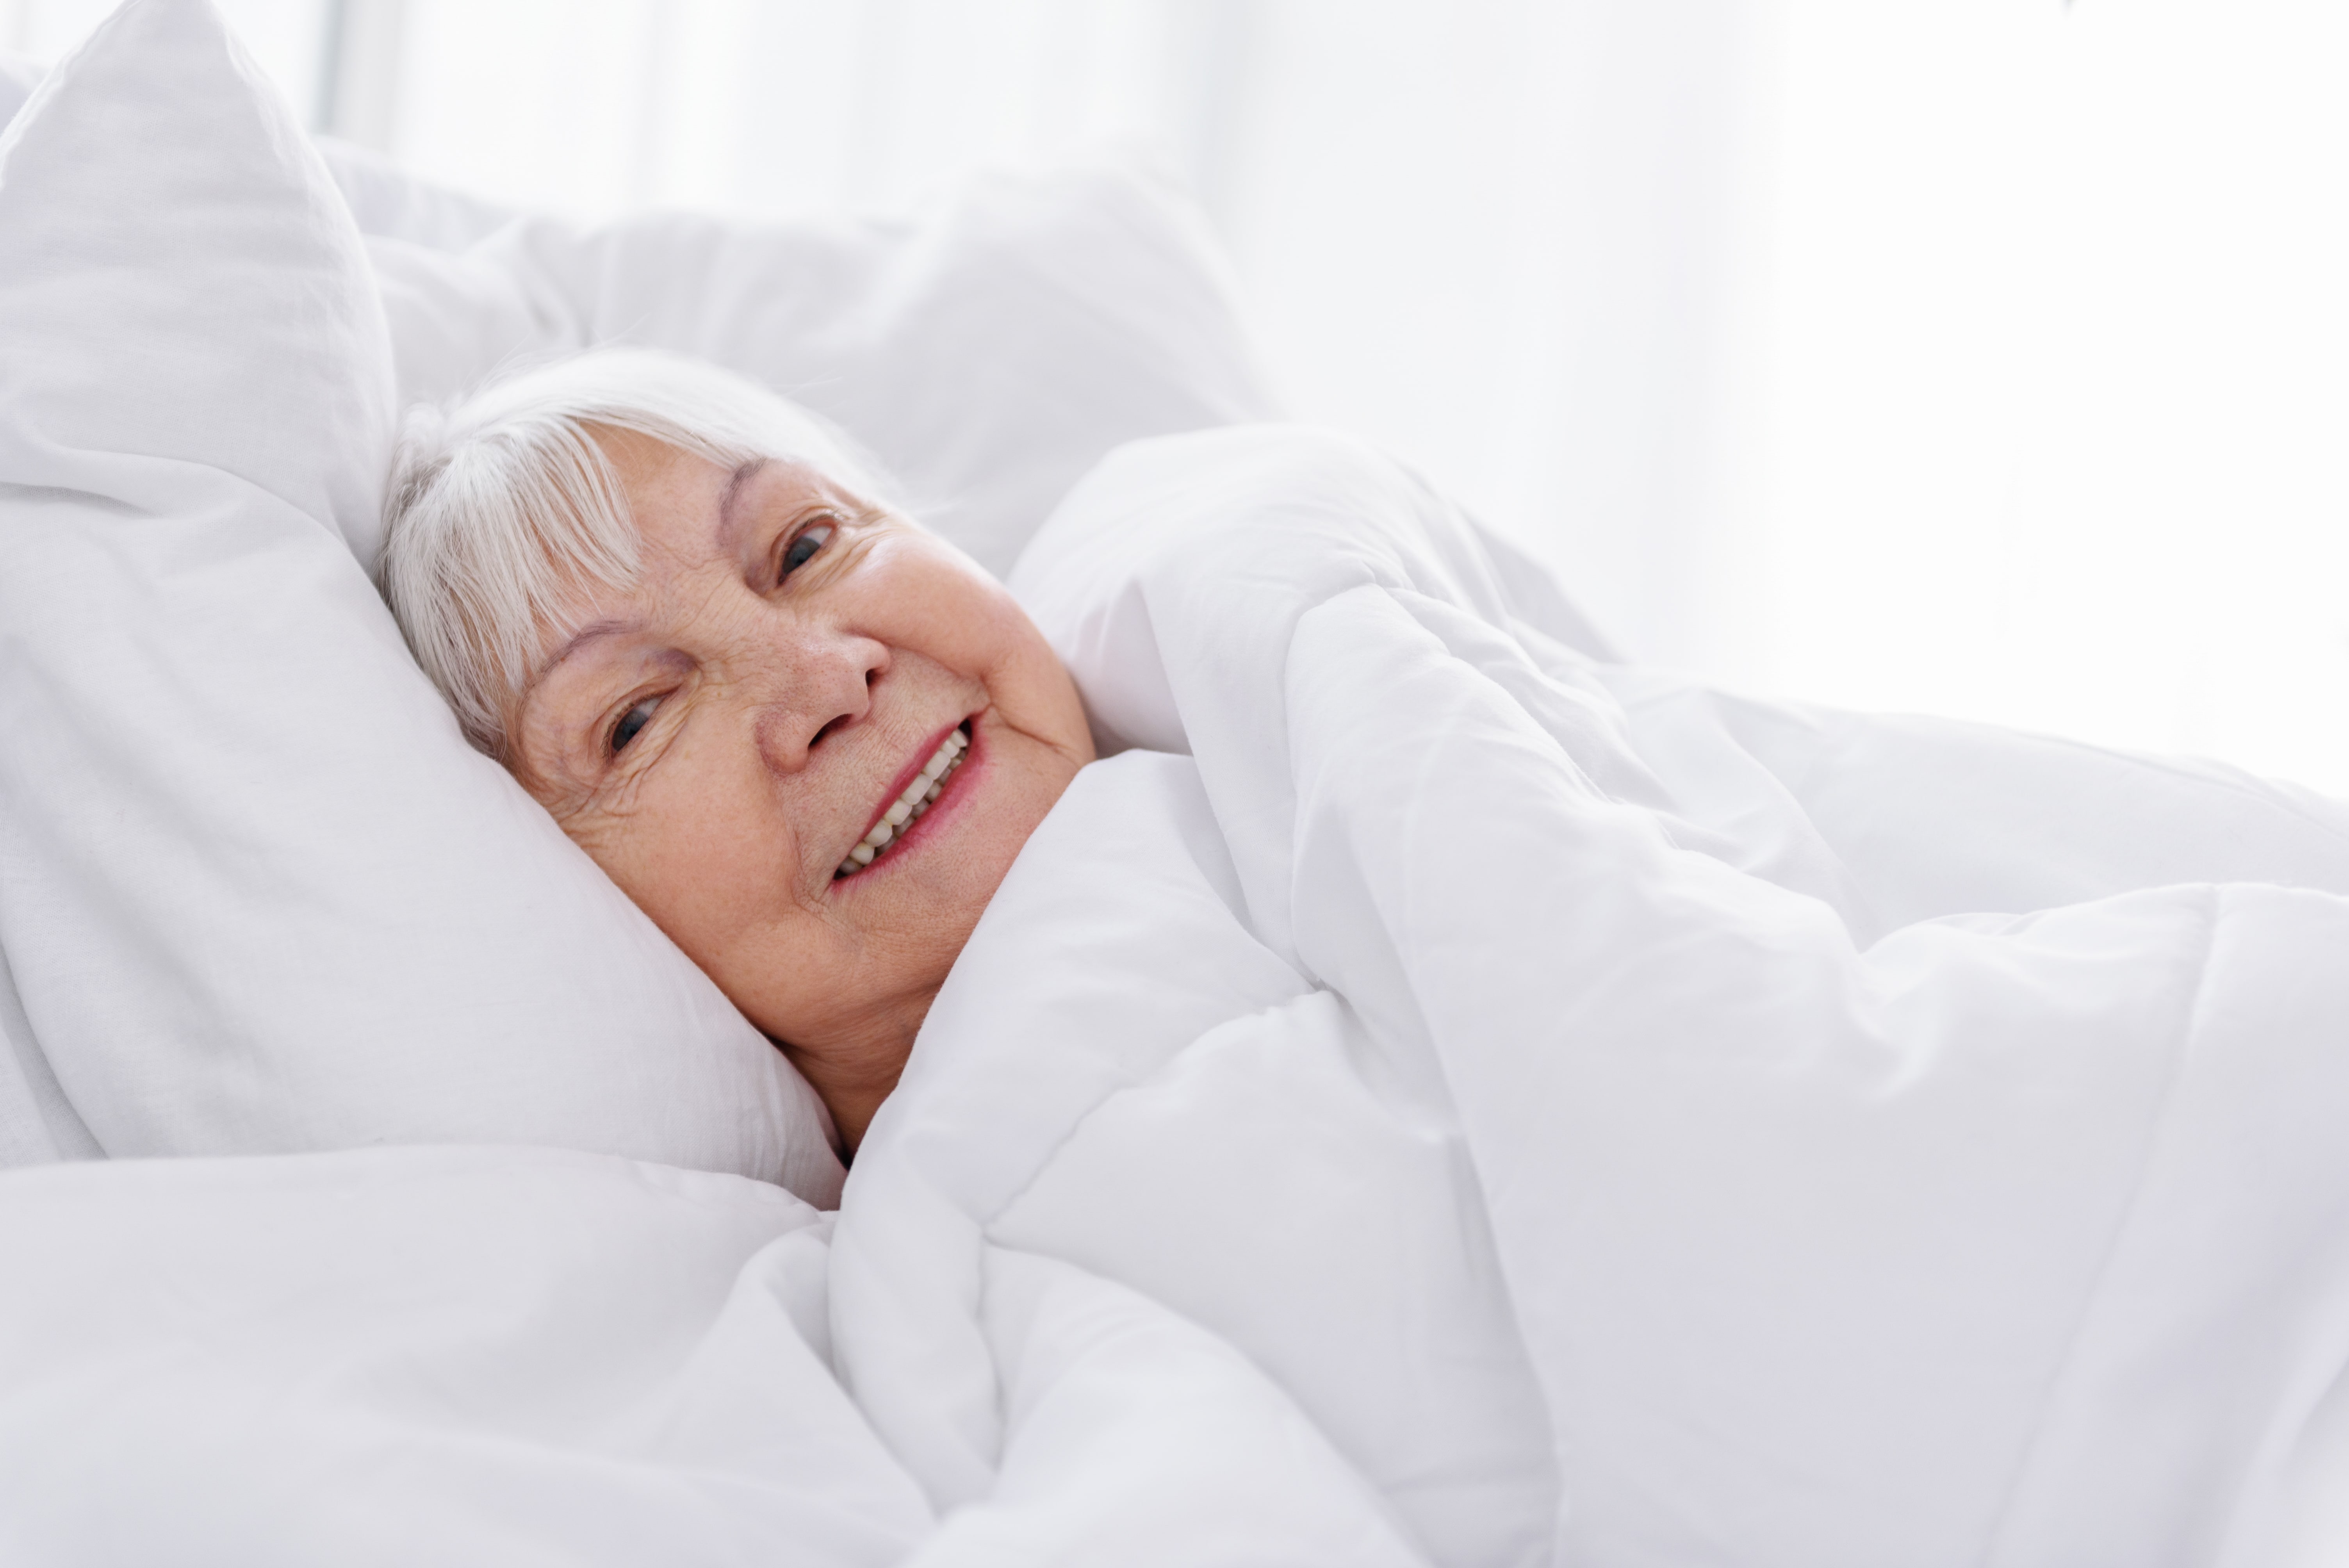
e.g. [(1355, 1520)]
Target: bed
[(1434, 1094)]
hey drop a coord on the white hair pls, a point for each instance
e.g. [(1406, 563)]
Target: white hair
[(503, 511)]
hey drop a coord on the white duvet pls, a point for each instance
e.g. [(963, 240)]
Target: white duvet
[(1435, 1099)]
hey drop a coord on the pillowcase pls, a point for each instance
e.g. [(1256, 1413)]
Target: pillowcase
[(988, 352), (256, 893)]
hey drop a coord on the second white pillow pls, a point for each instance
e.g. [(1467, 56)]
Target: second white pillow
[(988, 352)]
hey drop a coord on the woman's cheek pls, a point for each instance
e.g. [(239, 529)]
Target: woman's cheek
[(699, 853), (931, 601)]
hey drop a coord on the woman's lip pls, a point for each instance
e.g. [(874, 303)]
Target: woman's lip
[(906, 776), (918, 830)]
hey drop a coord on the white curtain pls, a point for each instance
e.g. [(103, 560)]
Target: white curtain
[(1987, 357)]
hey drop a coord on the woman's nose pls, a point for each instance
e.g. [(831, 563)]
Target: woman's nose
[(827, 689)]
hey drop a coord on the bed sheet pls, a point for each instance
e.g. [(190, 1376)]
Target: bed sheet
[(468, 1356), (510, 1356)]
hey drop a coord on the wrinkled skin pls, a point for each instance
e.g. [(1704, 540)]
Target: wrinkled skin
[(721, 736)]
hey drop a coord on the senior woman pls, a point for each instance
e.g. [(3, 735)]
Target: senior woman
[(806, 735)]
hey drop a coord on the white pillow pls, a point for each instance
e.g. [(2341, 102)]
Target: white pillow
[(988, 352), (256, 891)]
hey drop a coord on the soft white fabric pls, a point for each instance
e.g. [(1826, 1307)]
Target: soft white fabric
[(18, 76), (256, 892), (988, 351), (36, 1121), (1477, 1106), (508, 1357), (1634, 1124), (456, 1355)]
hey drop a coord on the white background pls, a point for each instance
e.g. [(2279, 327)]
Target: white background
[(1986, 357)]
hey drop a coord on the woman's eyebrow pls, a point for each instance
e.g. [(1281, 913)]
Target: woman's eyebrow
[(572, 644), (728, 524)]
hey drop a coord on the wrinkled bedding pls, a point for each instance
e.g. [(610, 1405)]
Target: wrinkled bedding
[(1430, 1096), (1629, 1121)]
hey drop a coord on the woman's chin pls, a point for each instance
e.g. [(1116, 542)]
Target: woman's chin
[(899, 923)]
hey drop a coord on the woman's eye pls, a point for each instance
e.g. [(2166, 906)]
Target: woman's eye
[(635, 719), (802, 548)]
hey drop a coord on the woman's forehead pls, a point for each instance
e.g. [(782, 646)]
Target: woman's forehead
[(694, 508)]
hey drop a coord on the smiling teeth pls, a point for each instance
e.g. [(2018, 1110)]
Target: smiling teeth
[(927, 787)]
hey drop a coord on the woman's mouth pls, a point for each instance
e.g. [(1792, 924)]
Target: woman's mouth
[(918, 795)]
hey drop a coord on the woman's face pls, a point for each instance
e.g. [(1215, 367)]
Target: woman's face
[(721, 738)]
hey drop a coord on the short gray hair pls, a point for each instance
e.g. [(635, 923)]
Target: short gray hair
[(503, 511)]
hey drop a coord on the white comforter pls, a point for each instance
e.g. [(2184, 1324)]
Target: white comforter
[(1438, 1099)]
